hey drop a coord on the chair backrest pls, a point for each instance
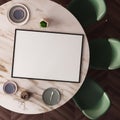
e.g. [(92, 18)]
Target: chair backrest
[(87, 11), (88, 95), (100, 53), (105, 53), (99, 109), (115, 59)]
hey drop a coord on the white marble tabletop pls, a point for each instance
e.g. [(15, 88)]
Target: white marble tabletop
[(60, 20)]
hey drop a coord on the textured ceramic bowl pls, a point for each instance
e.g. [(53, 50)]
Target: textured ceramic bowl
[(10, 87), (18, 14)]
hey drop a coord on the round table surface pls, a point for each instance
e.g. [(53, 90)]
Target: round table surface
[(61, 20)]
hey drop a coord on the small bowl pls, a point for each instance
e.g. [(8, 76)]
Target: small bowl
[(18, 14), (51, 96), (10, 87)]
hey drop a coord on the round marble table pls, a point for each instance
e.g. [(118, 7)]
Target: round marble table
[(60, 20)]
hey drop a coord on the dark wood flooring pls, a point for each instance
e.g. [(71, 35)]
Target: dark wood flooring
[(109, 80)]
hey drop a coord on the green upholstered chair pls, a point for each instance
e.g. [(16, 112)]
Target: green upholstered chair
[(105, 53), (87, 11), (92, 100)]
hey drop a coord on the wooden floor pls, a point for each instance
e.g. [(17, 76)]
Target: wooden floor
[(109, 80)]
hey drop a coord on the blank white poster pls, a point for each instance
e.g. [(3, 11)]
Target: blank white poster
[(47, 56)]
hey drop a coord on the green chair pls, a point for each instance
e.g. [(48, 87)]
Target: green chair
[(92, 100), (105, 53), (87, 11)]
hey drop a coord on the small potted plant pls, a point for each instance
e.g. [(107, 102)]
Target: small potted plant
[(43, 23)]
